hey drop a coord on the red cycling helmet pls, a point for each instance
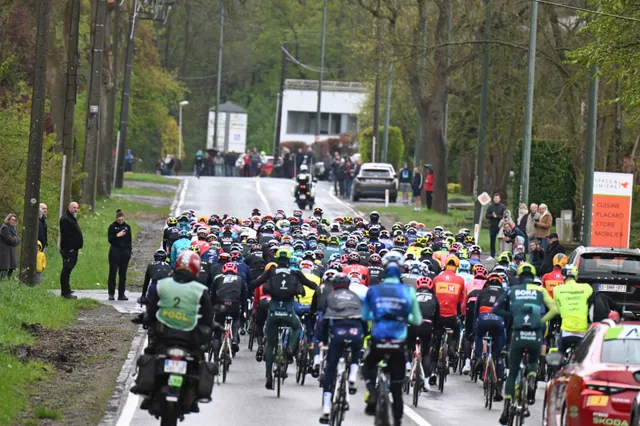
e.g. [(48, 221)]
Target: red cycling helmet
[(353, 257), (424, 282), (479, 270), (230, 268), (188, 261), (375, 259), (344, 259)]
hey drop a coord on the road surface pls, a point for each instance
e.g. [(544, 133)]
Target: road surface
[(243, 400)]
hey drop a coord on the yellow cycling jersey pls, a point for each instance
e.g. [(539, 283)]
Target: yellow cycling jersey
[(572, 300), (415, 251), (308, 296)]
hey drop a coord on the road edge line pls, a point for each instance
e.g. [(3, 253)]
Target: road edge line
[(415, 417), (180, 196), (347, 205), (262, 196), (115, 408)]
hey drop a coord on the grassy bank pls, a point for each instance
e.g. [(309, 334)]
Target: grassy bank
[(22, 305), (144, 192), (148, 177), (92, 269)]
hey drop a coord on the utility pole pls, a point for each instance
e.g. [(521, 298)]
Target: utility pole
[(124, 106), (445, 123), (219, 82), (417, 153), (66, 179), (283, 74), (376, 95), (528, 109), (482, 129), (590, 157), (387, 111), (320, 78), (92, 138), (29, 250)]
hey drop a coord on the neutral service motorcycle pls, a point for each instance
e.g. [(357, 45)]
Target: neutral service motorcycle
[(304, 191)]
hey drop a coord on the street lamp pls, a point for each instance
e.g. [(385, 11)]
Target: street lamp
[(183, 103)]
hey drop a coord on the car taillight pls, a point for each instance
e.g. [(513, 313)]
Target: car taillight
[(602, 388)]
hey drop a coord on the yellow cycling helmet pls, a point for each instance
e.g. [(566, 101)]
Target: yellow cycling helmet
[(526, 268), (452, 260), (283, 253), (560, 260)]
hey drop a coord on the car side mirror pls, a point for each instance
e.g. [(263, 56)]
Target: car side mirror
[(555, 359)]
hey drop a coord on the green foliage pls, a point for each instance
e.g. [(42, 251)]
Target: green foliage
[(552, 178), (395, 150), (148, 177), (170, 138)]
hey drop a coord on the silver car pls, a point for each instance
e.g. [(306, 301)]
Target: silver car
[(373, 180)]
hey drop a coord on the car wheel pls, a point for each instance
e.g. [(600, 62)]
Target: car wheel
[(355, 197), (393, 199)]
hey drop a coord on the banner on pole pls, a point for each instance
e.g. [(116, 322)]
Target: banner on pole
[(611, 213)]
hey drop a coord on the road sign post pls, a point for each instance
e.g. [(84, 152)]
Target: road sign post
[(484, 199)]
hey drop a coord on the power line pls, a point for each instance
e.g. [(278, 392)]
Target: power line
[(595, 12), (309, 67)]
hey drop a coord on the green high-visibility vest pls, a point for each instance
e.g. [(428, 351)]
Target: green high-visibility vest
[(179, 303)]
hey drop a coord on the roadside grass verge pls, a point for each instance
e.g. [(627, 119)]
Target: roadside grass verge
[(145, 192), (92, 269), (148, 177), (27, 305)]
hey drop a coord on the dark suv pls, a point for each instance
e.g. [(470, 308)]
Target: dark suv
[(611, 270)]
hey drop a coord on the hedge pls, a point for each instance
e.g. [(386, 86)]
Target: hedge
[(395, 155)]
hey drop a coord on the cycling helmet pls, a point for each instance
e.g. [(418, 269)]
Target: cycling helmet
[(341, 280), (194, 248), (505, 257), (453, 260), (329, 274), (188, 261), (334, 240), (319, 254), (570, 271), (235, 255), (393, 257), (216, 245), (184, 234), (256, 248), (399, 241), (344, 259), (160, 254), (409, 256), (306, 266), (526, 269), (494, 279), (224, 258), (318, 212), (374, 216), (499, 269), (172, 221), (375, 259), (427, 251), (479, 270), (560, 260), (309, 254), (334, 257), (203, 233), (383, 253), (465, 267), (211, 238), (353, 257), (424, 283), (230, 268), (299, 246), (384, 234), (283, 253)]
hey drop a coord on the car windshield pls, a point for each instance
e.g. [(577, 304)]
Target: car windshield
[(621, 351), (609, 263), (375, 173)]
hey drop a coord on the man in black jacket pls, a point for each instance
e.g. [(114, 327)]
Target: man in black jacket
[(553, 248), (119, 235), (495, 212), (70, 242)]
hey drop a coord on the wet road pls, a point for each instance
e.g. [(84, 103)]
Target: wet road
[(243, 400)]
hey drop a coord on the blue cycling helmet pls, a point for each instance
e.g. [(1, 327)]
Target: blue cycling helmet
[(184, 234), (465, 266)]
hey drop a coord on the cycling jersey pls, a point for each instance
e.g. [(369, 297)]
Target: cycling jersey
[(573, 300), (552, 279), (308, 296), (524, 303), (476, 284), (449, 289), (362, 270)]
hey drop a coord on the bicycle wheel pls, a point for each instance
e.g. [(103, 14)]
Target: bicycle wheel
[(225, 367), (252, 332), (383, 407), (441, 379), (337, 408), (278, 378), (305, 365), (417, 386)]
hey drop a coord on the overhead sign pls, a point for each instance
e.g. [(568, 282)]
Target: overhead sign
[(611, 212), (484, 199)]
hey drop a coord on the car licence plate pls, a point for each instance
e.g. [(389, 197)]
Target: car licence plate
[(303, 197), (376, 181), (175, 366), (615, 288)]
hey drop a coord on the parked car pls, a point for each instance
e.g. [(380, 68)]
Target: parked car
[(599, 383), (373, 180), (614, 271)]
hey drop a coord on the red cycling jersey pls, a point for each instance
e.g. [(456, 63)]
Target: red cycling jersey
[(361, 269), (552, 279), (450, 292), (258, 295), (203, 246)]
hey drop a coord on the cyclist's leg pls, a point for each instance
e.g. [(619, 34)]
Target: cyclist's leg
[(396, 361), (424, 332), (356, 335), (217, 336), (567, 342), (497, 334), (272, 341), (515, 354), (294, 322), (235, 329), (369, 365), (534, 345), (336, 347), (261, 319)]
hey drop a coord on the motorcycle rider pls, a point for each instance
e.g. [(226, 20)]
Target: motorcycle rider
[(156, 270), (303, 178)]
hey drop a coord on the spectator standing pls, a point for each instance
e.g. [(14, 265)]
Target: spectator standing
[(536, 255), (523, 217), (506, 218), (287, 163), (531, 220), (9, 242), (177, 166), (335, 166), (553, 247), (543, 225), (71, 242), (512, 235), (348, 177), (41, 264), (417, 189), (494, 214), (341, 177), (119, 235), (128, 162), (219, 164), (246, 164), (42, 227), (405, 181), (255, 160), (428, 186)]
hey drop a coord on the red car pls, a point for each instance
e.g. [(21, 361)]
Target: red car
[(597, 386)]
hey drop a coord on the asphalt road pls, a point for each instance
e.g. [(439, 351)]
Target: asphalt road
[(243, 400)]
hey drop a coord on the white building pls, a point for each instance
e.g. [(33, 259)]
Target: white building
[(340, 105)]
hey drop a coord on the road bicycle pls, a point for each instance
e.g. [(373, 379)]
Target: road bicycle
[(416, 374), (280, 359), (302, 355), (443, 359), (383, 393), (340, 398), (225, 348), (489, 377), (519, 409)]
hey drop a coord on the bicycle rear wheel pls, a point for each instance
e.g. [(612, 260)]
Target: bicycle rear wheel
[(441, 376), (383, 408), (338, 407), (279, 378), (417, 386), (252, 332), (225, 367)]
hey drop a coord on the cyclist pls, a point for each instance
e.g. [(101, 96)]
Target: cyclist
[(524, 303), (450, 291), (303, 303), (485, 321), (342, 318), (473, 287), (573, 300), (156, 270), (256, 260), (283, 284), (390, 305), (552, 279), (181, 245), (353, 265), (317, 303), (430, 309), (228, 296), (376, 271)]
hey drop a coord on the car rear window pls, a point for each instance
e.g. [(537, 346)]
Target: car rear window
[(621, 351), (375, 173), (609, 263)]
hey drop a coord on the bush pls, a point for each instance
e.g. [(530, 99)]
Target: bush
[(395, 155), (551, 179), (454, 188)]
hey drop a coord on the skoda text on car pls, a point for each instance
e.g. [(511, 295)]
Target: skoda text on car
[(598, 385), (374, 180), (613, 271)]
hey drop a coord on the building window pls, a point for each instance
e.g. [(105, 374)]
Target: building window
[(352, 124), (304, 123)]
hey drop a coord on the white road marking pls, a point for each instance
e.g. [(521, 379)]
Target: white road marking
[(183, 193), (133, 400), (417, 419), (355, 212), (262, 197)]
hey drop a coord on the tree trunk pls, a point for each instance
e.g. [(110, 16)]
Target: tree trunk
[(618, 133), (107, 101), (187, 29)]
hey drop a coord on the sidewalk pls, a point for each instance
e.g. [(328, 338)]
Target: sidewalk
[(130, 306)]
